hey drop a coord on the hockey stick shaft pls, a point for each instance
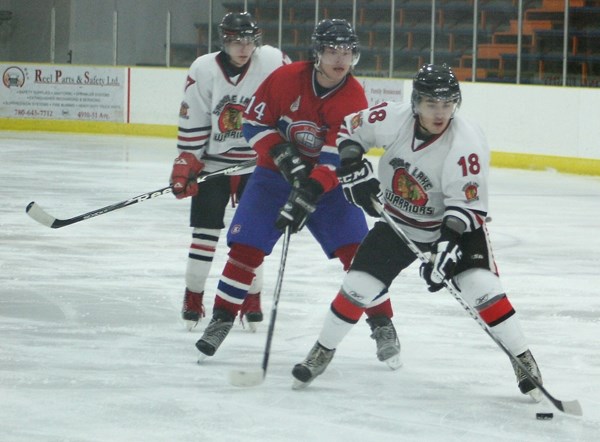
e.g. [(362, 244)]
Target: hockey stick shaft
[(276, 295), (40, 215), (569, 407)]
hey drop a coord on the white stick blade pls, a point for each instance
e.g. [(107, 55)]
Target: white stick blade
[(573, 408), (246, 378), (39, 214)]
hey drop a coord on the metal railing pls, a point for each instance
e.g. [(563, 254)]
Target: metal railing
[(512, 41)]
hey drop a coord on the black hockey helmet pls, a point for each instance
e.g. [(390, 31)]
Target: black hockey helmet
[(437, 82), (239, 26), (335, 33)]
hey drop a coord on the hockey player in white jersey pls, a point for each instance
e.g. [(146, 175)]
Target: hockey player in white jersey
[(216, 92), (434, 184)]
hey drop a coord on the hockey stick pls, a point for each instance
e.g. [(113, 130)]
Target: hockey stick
[(251, 378), (568, 407), (36, 212)]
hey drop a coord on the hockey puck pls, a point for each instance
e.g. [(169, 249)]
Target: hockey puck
[(544, 416)]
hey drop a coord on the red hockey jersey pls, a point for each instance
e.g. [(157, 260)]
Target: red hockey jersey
[(287, 108)]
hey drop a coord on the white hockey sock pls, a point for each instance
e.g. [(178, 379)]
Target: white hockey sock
[(334, 330), (201, 253), (483, 292), (257, 282)]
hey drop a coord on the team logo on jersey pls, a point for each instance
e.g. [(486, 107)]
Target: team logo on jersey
[(405, 186), (356, 121), (183, 110), (307, 137), (471, 191), (230, 118)]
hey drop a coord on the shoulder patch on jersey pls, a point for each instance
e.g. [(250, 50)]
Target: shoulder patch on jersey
[(471, 191), (183, 110), (356, 121)]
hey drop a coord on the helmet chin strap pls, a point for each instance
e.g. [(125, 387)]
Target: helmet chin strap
[(318, 67)]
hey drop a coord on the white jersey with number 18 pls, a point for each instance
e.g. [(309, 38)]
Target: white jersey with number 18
[(425, 180)]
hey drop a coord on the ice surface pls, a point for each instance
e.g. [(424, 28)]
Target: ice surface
[(92, 347)]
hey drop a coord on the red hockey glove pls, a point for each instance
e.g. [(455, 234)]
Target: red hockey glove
[(186, 168)]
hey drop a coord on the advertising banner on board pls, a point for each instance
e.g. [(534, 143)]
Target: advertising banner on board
[(63, 92)]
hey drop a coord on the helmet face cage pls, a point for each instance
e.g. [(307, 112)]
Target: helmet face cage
[(239, 27), (437, 82), (336, 34)]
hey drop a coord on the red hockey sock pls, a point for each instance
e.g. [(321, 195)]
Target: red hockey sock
[(497, 311), (383, 309), (237, 277), (345, 309), (346, 254)]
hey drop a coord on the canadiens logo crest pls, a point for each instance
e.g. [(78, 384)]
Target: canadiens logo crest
[(230, 118), (307, 136), (471, 191)]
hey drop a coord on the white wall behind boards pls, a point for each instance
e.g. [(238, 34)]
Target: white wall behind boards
[(541, 120)]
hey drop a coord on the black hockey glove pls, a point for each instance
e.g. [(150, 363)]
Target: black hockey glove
[(287, 158), (446, 254), (360, 185), (300, 204)]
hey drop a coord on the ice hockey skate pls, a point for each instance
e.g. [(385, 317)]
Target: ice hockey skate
[(214, 335), (388, 345), (315, 363), (251, 310), (193, 309), (525, 384)]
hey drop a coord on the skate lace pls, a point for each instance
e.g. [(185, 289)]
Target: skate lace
[(216, 332), (193, 302), (529, 363), (251, 304), (384, 335), (318, 358)]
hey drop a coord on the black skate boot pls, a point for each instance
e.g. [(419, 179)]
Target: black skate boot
[(215, 333), (525, 384), (315, 363), (388, 345)]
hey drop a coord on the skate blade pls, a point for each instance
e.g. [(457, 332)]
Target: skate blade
[(252, 326), (202, 358), (246, 378), (190, 325), (394, 362), (299, 385), (535, 394)]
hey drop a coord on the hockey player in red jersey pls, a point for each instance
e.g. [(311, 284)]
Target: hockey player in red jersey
[(434, 177), (292, 122), (217, 89)]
